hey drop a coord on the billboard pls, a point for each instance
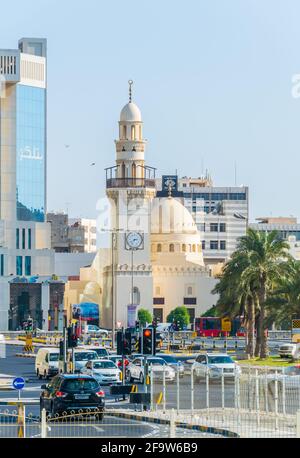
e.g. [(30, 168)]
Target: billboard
[(87, 311)]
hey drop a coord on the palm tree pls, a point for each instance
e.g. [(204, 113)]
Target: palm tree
[(249, 277), (284, 302), (236, 298), (267, 254)]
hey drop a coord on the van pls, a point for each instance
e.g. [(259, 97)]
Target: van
[(81, 357), (46, 362)]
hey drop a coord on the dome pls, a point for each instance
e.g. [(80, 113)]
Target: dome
[(168, 215), (131, 113)]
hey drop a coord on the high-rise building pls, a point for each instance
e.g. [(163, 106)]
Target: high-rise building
[(25, 239), (220, 213)]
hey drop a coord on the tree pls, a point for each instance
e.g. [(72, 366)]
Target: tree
[(181, 315), (249, 278), (144, 317)]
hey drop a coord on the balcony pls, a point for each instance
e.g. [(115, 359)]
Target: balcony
[(130, 183)]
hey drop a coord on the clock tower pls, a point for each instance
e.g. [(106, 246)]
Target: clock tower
[(130, 187)]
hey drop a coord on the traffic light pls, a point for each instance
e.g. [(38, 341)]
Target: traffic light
[(149, 341), (137, 326), (127, 343), (72, 338)]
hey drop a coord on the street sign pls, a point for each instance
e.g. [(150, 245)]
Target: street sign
[(18, 383)]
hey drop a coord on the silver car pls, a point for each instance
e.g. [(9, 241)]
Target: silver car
[(214, 365)]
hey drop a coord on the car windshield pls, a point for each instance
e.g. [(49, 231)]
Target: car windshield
[(53, 357), (85, 356), (294, 370), (104, 365), (170, 359), (101, 351), (156, 362), (75, 385), (219, 360)]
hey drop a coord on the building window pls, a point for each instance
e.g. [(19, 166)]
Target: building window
[(27, 265), (214, 245), (223, 245), (190, 300), (203, 244), (124, 132), (29, 239), (184, 247), (140, 132), (132, 132), (17, 239), (159, 248), (136, 296), (158, 300), (2, 265), (19, 269), (171, 248), (222, 227), (23, 238), (194, 248), (157, 290), (190, 291), (213, 227)]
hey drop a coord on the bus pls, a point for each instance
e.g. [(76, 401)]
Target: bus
[(214, 327)]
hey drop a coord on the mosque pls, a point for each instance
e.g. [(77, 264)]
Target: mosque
[(155, 258)]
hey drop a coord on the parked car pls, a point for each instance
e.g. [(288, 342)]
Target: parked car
[(103, 370), (173, 362), (136, 369), (46, 362), (67, 392), (289, 350), (94, 331), (214, 364)]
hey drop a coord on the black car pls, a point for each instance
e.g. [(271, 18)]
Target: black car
[(72, 392)]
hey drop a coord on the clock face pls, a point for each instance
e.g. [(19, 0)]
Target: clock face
[(134, 239)]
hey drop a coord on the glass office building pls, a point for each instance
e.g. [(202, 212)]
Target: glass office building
[(31, 146)]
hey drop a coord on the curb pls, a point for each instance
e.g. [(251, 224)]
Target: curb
[(161, 421)]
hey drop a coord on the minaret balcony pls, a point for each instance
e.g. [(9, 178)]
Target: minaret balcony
[(130, 183)]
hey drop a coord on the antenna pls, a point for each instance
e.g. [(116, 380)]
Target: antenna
[(130, 82), (235, 173)]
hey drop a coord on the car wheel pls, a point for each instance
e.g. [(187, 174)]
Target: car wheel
[(38, 374), (141, 378), (45, 375)]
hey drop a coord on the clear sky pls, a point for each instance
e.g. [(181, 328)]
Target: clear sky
[(212, 79)]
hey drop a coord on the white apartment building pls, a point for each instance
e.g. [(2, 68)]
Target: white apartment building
[(220, 213), (89, 233)]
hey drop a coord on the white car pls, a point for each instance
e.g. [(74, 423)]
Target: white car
[(136, 369), (94, 331), (104, 371), (213, 365), (82, 357), (289, 350)]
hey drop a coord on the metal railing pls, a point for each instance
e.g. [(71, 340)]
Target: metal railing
[(130, 183)]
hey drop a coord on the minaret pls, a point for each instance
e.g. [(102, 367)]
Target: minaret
[(130, 186)]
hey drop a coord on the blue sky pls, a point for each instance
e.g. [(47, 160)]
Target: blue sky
[(212, 79)]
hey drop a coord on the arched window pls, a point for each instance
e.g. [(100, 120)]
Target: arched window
[(124, 132), (133, 170), (171, 248), (136, 299), (140, 132), (184, 247), (199, 248), (132, 132), (157, 291), (194, 248), (159, 248), (123, 170), (190, 290)]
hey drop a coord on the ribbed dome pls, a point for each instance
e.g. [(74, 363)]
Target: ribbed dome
[(131, 113), (168, 215)]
